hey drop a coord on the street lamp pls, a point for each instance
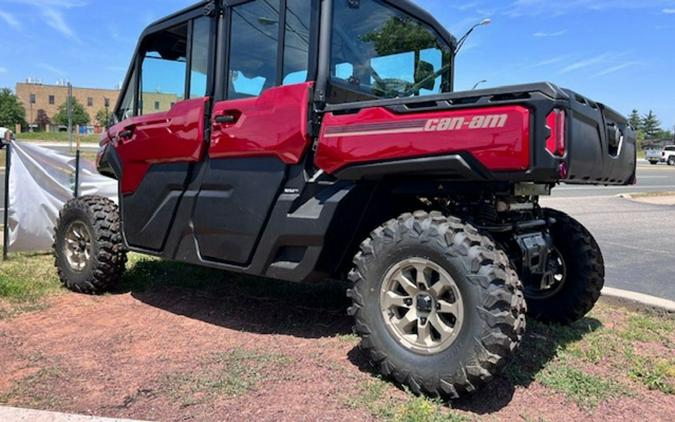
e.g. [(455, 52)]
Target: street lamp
[(478, 83), (460, 43)]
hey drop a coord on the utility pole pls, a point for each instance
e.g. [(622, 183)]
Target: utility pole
[(70, 116)]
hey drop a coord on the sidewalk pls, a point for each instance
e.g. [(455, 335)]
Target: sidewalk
[(12, 414)]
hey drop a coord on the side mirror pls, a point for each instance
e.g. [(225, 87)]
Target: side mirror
[(424, 75)]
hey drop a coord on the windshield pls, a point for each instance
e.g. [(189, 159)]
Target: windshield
[(380, 51)]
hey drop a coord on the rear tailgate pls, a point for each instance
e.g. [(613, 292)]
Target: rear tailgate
[(602, 147)]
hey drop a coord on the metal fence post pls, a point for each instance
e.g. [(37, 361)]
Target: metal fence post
[(5, 233), (76, 191)]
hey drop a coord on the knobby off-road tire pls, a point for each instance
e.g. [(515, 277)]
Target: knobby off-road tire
[(584, 273), (492, 319), (88, 245)]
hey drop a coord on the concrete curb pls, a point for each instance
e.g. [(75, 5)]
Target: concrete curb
[(639, 301), (13, 414)]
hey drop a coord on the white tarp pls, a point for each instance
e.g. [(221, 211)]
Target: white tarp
[(41, 181)]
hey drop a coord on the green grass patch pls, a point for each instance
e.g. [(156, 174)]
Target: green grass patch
[(377, 398), (585, 389), (55, 137), (231, 373), (644, 327), (24, 281), (36, 390), (655, 374)]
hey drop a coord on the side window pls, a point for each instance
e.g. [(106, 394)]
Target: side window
[(296, 42), (164, 69), (253, 48), (200, 52), (380, 51), (128, 104)]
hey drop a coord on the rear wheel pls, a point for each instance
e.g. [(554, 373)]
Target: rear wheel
[(438, 307), (576, 274), (88, 246), (671, 161), (653, 163)]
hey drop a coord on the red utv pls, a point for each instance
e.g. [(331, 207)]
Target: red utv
[(310, 139)]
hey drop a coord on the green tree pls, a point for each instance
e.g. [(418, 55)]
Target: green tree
[(11, 110), (103, 117), (635, 120), (80, 115), (42, 119), (651, 126), (399, 35)]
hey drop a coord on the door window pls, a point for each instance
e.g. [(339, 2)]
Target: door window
[(163, 69), (296, 41), (253, 48), (200, 52)]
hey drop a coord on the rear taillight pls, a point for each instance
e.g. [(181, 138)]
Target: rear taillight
[(555, 144)]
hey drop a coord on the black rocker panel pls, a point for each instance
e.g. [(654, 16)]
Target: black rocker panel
[(233, 204), (148, 213)]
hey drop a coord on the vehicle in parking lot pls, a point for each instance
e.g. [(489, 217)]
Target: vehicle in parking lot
[(312, 139), (668, 155), (653, 156)]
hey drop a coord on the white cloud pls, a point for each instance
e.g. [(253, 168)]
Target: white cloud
[(10, 20), (56, 20), (3, 70), (550, 34), (616, 68), (52, 69), (53, 13), (583, 64), (669, 11), (539, 7)]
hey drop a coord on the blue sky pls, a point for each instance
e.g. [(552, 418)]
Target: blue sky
[(621, 52)]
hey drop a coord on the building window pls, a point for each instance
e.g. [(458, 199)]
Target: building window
[(157, 106), (90, 102), (33, 98), (106, 101), (52, 100)]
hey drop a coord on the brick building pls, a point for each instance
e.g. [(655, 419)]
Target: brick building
[(49, 97)]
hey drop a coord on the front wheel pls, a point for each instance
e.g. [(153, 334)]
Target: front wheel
[(576, 274), (88, 246), (438, 307), (671, 161), (653, 163)]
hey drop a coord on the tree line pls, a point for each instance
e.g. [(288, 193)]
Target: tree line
[(649, 127), (13, 113)]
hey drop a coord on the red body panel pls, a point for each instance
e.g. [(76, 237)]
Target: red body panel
[(174, 136), (499, 137), (273, 124)]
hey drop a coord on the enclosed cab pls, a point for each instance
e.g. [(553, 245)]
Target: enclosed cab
[(312, 139)]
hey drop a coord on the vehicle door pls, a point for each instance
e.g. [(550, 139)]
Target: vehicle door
[(166, 102), (259, 125)]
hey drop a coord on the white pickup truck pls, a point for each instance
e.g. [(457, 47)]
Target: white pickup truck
[(667, 155)]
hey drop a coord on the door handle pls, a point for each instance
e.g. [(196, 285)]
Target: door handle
[(126, 134), (226, 119)]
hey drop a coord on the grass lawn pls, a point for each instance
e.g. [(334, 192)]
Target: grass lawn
[(56, 137), (607, 362)]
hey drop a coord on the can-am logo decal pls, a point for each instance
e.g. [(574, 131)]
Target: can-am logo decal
[(487, 121), (490, 121)]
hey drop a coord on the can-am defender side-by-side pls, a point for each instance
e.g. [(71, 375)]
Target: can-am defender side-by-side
[(304, 140)]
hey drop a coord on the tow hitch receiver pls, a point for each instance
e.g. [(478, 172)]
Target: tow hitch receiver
[(535, 249)]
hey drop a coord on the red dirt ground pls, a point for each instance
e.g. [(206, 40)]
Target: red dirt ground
[(153, 356)]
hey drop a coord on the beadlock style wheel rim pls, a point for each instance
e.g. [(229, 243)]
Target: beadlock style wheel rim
[(421, 306), (77, 246)]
